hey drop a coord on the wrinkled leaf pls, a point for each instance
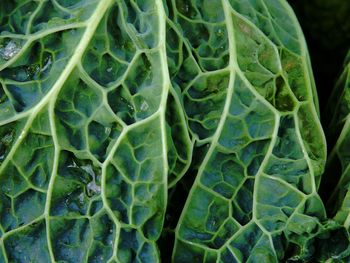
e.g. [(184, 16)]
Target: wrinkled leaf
[(105, 106), (248, 94), (87, 147)]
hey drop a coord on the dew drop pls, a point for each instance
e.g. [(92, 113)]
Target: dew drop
[(131, 107), (6, 189), (32, 70), (187, 8), (88, 168), (10, 50), (144, 106), (92, 187), (47, 64), (7, 139), (73, 165), (109, 69), (81, 198), (107, 130)]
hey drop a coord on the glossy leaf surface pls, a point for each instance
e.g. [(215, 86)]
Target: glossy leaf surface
[(105, 105), (248, 94)]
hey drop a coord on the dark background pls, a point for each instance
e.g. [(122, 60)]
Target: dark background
[(326, 26)]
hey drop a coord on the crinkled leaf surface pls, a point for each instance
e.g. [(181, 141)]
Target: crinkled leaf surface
[(248, 95), (86, 130), (104, 102)]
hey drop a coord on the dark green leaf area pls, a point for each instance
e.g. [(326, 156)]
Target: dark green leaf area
[(28, 244), (133, 247), (137, 97), (76, 187), (178, 140), (15, 18), (27, 81), (226, 182), (26, 176), (96, 235), (104, 60), (89, 127), (204, 101), (8, 136), (274, 20), (205, 38), (24, 17), (262, 66)]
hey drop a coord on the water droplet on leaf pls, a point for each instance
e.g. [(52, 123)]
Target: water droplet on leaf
[(187, 8), (81, 198), (7, 139), (219, 32), (88, 168), (73, 165), (10, 50), (92, 187), (131, 107), (107, 130), (32, 70), (144, 106), (47, 64)]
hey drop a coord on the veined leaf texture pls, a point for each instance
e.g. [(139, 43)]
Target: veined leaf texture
[(107, 104)]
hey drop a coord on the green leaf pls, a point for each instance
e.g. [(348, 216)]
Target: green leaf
[(106, 105), (88, 128), (249, 94)]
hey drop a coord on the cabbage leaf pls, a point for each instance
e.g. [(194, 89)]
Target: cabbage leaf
[(105, 105), (249, 96)]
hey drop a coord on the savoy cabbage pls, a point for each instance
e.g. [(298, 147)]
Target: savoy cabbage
[(109, 107)]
